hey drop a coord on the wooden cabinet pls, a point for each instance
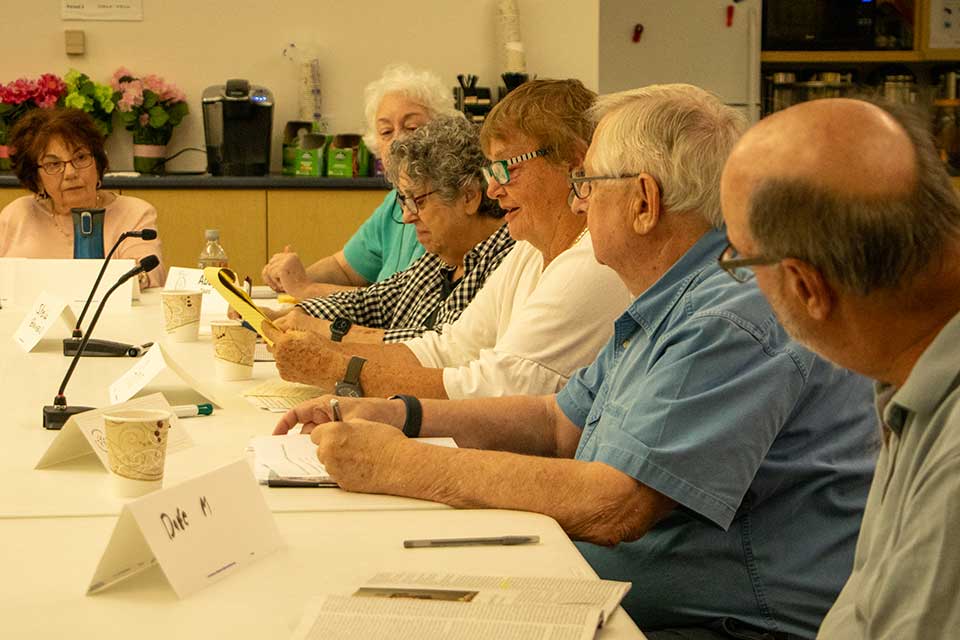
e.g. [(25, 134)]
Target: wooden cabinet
[(316, 223), (184, 215), (254, 223)]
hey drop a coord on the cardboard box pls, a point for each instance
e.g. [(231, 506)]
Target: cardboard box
[(347, 156), (303, 149)]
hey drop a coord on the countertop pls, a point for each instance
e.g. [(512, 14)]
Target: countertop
[(207, 181)]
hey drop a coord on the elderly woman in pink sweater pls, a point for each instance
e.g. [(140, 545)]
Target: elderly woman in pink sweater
[(58, 155)]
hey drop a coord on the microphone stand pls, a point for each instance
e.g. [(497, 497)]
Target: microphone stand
[(57, 414), (105, 348)]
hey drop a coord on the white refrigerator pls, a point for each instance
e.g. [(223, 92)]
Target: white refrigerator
[(714, 44)]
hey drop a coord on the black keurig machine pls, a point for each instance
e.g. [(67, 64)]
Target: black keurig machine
[(238, 125)]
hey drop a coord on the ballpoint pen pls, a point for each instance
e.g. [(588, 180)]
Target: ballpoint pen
[(470, 542), (192, 410)]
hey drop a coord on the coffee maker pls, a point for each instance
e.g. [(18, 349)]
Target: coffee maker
[(238, 126)]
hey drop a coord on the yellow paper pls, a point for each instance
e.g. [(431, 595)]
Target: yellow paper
[(225, 281)]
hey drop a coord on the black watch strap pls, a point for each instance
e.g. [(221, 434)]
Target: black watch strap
[(414, 416), (353, 370)]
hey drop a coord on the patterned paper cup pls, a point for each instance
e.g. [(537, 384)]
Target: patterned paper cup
[(181, 314), (136, 449), (233, 347)]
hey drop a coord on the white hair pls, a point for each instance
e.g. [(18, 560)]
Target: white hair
[(422, 86), (678, 133)]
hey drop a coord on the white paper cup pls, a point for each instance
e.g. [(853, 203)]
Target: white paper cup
[(136, 449), (181, 314), (233, 349)]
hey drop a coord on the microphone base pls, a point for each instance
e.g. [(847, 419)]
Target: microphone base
[(101, 348), (54, 416)]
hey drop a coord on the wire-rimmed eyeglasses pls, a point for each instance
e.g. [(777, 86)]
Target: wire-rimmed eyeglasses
[(581, 183), (737, 266), (80, 160), (413, 203)]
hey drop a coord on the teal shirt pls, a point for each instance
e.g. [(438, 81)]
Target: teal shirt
[(382, 246)]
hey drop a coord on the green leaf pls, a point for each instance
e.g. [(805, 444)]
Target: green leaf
[(158, 117), (177, 113), (149, 99)]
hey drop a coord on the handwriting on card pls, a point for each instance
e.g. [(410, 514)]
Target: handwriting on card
[(180, 520)]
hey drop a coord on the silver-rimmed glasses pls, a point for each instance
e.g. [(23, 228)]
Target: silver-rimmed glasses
[(499, 170), (80, 160), (734, 264), (581, 183)]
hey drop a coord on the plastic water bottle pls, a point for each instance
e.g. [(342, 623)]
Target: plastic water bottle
[(213, 254)]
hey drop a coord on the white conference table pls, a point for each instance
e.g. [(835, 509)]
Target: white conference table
[(81, 487), (49, 562), (55, 523)]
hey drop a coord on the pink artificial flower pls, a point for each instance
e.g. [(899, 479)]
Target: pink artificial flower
[(144, 119), (172, 95), (119, 73), (125, 103), (47, 102), (154, 83)]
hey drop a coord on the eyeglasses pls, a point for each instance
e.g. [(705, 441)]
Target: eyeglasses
[(413, 203), (731, 262), (81, 160), (498, 171), (581, 183)]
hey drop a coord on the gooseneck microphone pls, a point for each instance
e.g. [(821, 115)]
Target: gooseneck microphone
[(146, 234), (104, 347), (55, 415)]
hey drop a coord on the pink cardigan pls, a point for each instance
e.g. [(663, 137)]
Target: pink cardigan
[(27, 230)]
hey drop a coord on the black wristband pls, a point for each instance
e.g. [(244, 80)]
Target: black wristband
[(414, 415)]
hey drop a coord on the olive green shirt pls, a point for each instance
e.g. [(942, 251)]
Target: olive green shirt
[(906, 573)]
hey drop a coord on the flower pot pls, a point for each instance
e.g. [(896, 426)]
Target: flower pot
[(148, 158)]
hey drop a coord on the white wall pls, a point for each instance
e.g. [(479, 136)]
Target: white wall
[(197, 43)]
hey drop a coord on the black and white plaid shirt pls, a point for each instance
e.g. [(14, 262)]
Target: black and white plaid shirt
[(420, 298)]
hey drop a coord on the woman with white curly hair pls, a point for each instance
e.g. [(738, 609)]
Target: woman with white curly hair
[(400, 101)]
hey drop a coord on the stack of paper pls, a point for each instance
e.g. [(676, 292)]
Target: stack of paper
[(440, 606), (280, 395), (294, 457)]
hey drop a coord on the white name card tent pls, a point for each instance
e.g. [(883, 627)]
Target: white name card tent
[(147, 368), (199, 532), (22, 278), (180, 278), (49, 314), (82, 435)]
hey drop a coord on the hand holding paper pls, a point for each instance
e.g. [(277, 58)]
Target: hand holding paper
[(227, 284)]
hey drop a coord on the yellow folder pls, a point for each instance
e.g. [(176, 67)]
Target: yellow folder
[(227, 284)]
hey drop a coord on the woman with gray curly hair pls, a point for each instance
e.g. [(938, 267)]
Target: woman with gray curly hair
[(438, 173), (397, 103)]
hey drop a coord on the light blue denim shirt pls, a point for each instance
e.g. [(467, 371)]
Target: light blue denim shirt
[(767, 449)]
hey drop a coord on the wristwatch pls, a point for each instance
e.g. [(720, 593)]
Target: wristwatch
[(350, 385), (339, 328)]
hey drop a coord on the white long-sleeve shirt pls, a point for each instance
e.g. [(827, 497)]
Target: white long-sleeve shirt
[(529, 328)]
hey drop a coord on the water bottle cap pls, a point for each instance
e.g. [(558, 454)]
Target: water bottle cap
[(213, 235)]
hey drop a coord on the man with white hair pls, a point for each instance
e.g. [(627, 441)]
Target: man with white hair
[(703, 456), (852, 228)]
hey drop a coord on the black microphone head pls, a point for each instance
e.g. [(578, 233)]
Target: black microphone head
[(148, 234), (149, 263)]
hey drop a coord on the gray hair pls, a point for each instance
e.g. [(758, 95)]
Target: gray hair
[(863, 244), (678, 133), (422, 86), (445, 155)]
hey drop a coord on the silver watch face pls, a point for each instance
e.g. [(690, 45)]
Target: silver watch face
[(348, 390)]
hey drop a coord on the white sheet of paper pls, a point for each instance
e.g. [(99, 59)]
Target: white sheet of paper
[(294, 457), (42, 317), (83, 435), (192, 279), (148, 367), (199, 532), (67, 279)]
